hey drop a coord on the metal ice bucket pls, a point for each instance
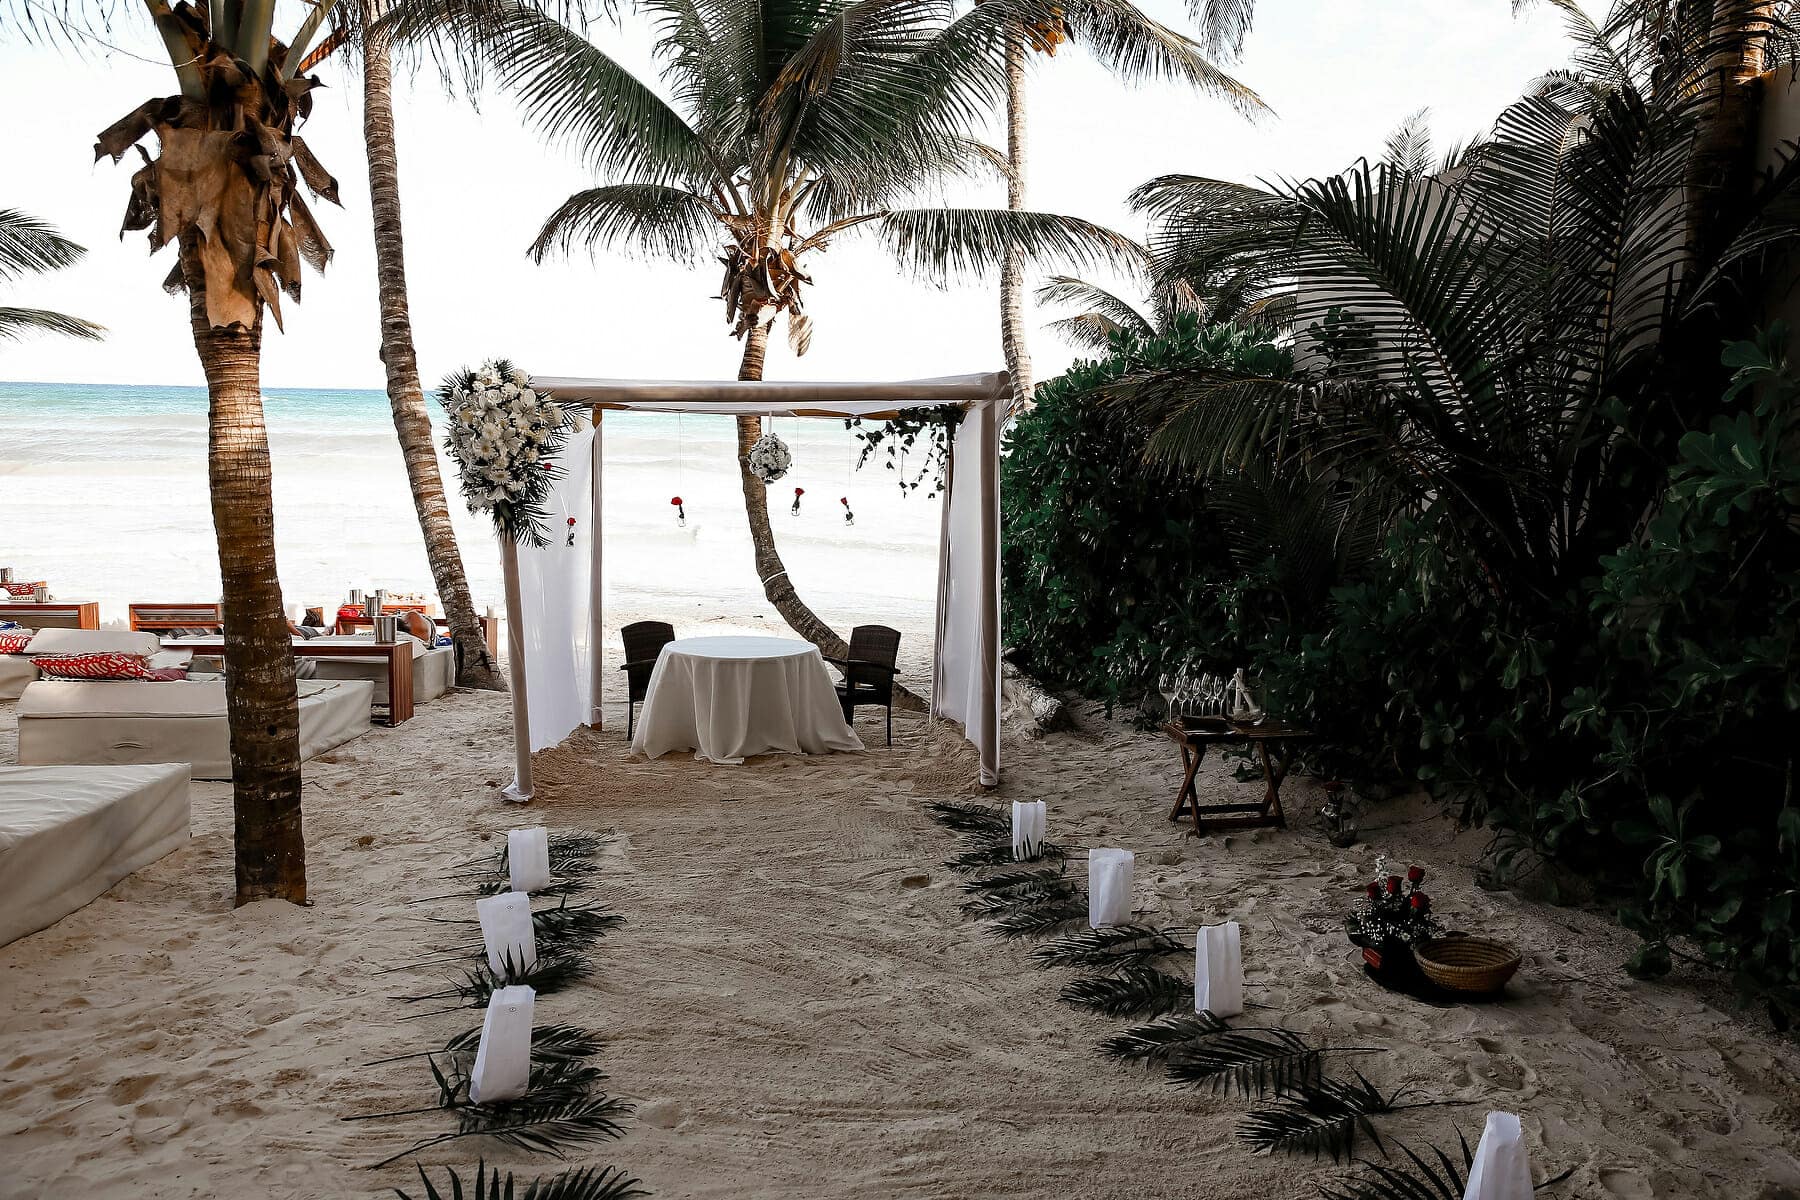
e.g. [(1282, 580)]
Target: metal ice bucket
[(5, 575), (385, 628), (355, 596), (377, 602), (41, 593)]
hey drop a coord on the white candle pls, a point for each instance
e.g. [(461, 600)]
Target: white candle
[(1219, 970), (528, 858), (503, 1060), (506, 931), (1502, 1168), (1109, 887)]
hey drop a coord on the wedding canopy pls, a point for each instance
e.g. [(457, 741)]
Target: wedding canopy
[(556, 624)]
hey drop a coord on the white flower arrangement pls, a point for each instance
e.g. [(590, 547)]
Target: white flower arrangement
[(770, 458), (504, 436)]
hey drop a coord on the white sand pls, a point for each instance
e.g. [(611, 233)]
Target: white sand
[(796, 1005)]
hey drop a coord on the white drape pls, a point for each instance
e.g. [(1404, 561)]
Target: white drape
[(554, 596), (967, 678)]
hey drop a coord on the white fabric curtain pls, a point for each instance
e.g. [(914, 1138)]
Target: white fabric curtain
[(553, 585), (968, 667)]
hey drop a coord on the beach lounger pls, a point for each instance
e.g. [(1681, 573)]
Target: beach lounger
[(63, 721), (434, 668), (16, 670), (67, 834)]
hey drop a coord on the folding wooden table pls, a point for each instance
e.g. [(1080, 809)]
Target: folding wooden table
[(1275, 743)]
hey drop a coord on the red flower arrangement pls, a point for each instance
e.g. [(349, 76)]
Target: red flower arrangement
[(571, 531), (1393, 909)]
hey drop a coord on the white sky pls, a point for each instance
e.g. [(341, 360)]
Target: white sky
[(475, 185)]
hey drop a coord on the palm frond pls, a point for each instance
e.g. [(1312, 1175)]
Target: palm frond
[(547, 1042), (1157, 1039), (971, 818), (1022, 896), (646, 217), (1437, 1177), (1110, 946), (1039, 919), (1251, 1062), (1010, 880), (16, 323), (1325, 1117), (998, 853), (579, 1183), (31, 246), (1132, 991), (553, 1129), (938, 244)]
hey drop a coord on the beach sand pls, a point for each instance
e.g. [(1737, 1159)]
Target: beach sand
[(798, 1009)]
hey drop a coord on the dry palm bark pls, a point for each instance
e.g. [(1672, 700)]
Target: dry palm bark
[(412, 419), (1012, 271), (225, 189)]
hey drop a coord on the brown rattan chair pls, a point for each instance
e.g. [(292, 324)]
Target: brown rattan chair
[(644, 641), (869, 672)]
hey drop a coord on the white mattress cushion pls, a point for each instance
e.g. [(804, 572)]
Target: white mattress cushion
[(15, 672), (93, 641), (107, 698), (67, 834)]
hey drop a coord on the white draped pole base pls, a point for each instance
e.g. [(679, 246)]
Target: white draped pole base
[(520, 790), (1219, 970)]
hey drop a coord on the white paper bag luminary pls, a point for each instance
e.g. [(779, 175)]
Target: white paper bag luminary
[(528, 858), (506, 932), (1109, 886), (1028, 819), (1502, 1168), (1219, 970), (503, 1061)]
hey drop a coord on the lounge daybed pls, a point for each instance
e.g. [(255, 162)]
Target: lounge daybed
[(67, 721), (67, 834), (434, 667), (16, 670)]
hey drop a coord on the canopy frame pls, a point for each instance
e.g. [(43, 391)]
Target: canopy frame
[(966, 651)]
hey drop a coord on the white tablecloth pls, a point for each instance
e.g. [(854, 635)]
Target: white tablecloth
[(726, 698)]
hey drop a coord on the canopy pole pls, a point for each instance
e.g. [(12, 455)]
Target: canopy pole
[(520, 791), (596, 579), (938, 685), (990, 593)]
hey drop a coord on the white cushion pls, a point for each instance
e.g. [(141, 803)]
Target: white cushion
[(93, 641)]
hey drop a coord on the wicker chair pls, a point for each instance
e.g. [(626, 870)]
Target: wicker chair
[(869, 672), (644, 641)]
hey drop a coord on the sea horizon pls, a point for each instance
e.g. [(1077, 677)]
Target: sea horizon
[(103, 493)]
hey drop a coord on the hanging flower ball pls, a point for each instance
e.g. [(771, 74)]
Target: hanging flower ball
[(770, 458)]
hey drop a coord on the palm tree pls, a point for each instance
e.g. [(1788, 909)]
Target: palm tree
[(791, 124), (359, 31), (1506, 346), (1223, 26), (29, 246), (224, 188), (1105, 315)]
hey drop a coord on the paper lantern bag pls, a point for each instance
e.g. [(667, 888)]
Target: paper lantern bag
[(506, 932), (1109, 886), (1219, 970), (503, 1060), (528, 858)]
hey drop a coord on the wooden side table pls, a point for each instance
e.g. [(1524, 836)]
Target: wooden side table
[(1275, 743), (52, 614)]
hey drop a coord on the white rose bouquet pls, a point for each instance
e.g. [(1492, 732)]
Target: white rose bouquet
[(504, 436), (770, 458)]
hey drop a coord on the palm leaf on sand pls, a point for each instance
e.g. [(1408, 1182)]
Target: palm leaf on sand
[(1434, 1177), (1157, 1039), (1112, 946), (1133, 991), (971, 818), (1008, 881), (528, 1124), (1034, 920), (1319, 1118), (1253, 1062), (581, 1183)]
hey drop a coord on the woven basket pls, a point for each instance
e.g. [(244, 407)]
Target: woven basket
[(1467, 964)]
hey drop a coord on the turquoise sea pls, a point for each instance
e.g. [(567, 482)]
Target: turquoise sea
[(103, 493)]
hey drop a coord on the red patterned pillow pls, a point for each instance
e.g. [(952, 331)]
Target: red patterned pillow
[(94, 666), (14, 641), (22, 589)]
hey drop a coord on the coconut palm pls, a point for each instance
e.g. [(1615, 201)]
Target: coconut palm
[(1504, 348), (790, 125), (359, 34), (1223, 26), (224, 188), (29, 246)]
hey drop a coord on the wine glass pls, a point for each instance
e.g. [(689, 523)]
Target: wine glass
[(1165, 686)]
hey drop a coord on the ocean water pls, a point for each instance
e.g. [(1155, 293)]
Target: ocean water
[(103, 493)]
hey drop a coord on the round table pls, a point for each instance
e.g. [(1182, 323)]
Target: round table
[(727, 698)]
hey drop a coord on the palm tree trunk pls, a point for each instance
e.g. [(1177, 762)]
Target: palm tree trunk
[(412, 420), (261, 702), (777, 587), (1722, 165), (1012, 271)]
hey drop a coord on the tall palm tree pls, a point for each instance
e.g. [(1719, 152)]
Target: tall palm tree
[(792, 123), (359, 32), (29, 246), (1223, 25), (224, 188)]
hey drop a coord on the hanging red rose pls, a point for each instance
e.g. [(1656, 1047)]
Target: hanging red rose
[(680, 512), (849, 517), (1415, 874), (676, 501), (571, 531), (1393, 885), (798, 492)]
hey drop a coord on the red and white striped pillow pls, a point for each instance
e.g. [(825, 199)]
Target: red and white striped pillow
[(21, 589), (110, 666), (14, 641)]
